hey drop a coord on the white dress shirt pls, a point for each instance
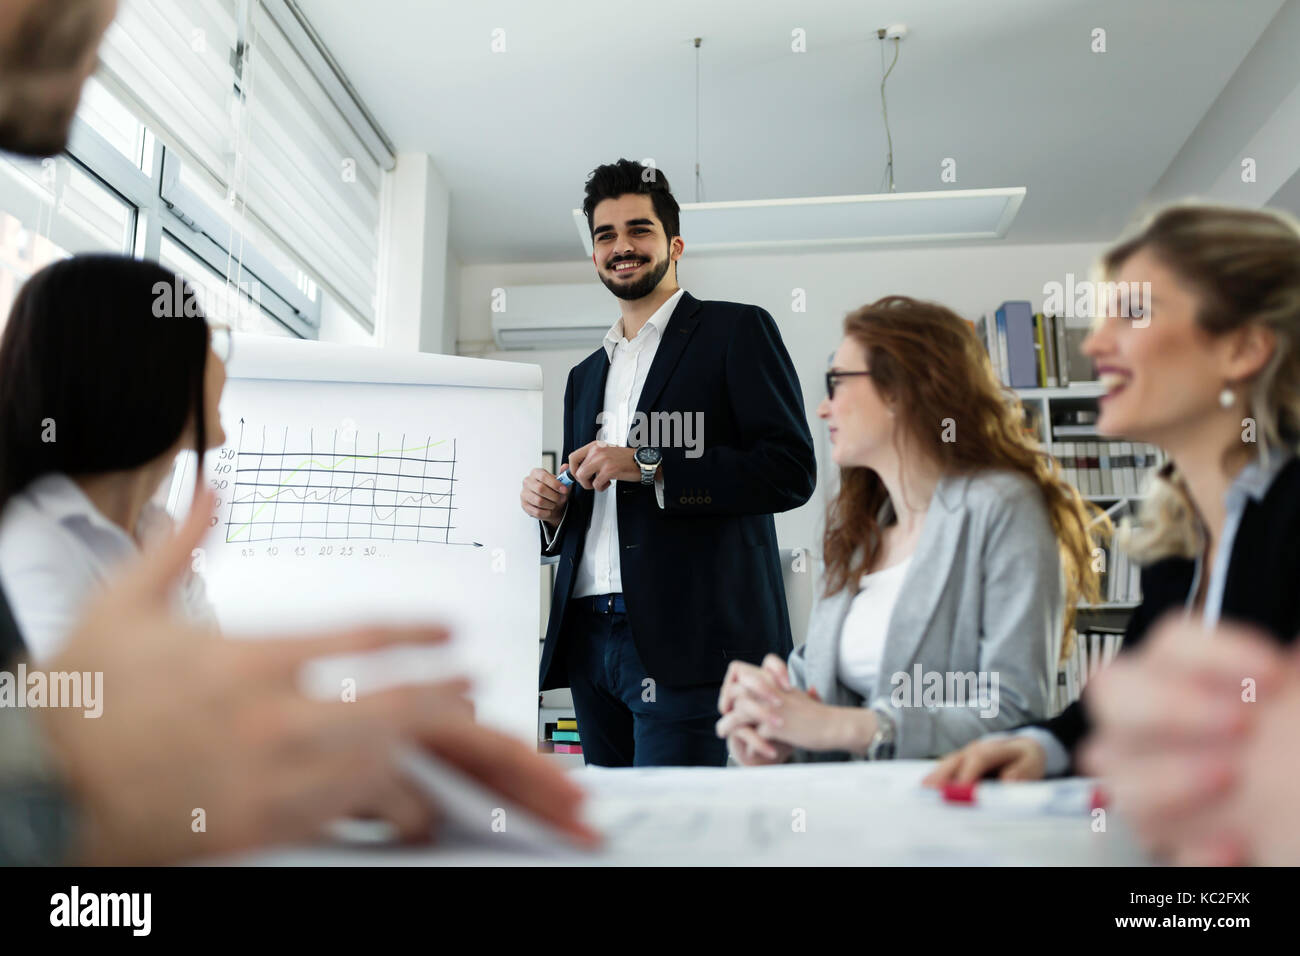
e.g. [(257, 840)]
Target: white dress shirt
[(57, 549), (862, 637), (629, 364)]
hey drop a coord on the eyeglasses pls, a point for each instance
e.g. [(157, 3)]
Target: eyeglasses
[(221, 340), (833, 379)]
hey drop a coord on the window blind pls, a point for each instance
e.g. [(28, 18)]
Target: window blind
[(236, 88)]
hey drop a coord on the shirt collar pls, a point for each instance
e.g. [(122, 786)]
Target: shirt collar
[(62, 499), (1255, 479), (659, 320)]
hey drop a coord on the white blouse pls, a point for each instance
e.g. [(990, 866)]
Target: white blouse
[(862, 638), (57, 549)]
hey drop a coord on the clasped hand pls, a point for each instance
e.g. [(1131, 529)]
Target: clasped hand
[(764, 717)]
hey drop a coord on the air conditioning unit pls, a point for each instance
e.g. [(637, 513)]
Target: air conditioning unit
[(552, 316)]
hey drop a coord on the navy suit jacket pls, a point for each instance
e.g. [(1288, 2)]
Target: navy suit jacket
[(701, 576), (11, 639)]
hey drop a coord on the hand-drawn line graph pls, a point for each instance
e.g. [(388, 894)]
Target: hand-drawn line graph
[(342, 488)]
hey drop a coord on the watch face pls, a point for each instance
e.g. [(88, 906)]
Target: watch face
[(648, 456)]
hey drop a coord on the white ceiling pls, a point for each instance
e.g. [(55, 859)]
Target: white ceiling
[(1008, 88)]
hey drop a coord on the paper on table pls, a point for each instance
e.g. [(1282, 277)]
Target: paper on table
[(850, 814), (471, 812)]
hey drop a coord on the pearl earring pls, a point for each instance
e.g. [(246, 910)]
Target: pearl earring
[(1227, 397)]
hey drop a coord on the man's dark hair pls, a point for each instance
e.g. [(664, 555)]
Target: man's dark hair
[(625, 176), (85, 346)]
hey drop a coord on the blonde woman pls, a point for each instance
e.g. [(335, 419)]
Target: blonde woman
[(1212, 376)]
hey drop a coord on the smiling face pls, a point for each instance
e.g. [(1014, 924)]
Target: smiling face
[(1163, 378), (633, 254), (861, 423)]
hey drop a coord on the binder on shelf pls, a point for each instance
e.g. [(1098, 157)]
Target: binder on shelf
[(1047, 335), (1122, 453), (986, 329), (1079, 366), (1062, 352), (1040, 350), (1015, 322)]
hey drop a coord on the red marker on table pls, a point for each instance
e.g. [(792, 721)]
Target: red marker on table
[(1064, 797)]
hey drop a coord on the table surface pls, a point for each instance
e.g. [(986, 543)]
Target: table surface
[(851, 814)]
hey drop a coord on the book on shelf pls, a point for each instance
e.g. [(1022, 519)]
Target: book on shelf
[(1046, 334), (560, 736), (1015, 322), (1093, 649), (1030, 349), (1057, 324), (1106, 469)]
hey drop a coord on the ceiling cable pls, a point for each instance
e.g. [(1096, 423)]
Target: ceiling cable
[(699, 181), (884, 110)]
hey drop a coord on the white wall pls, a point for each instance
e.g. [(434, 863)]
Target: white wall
[(413, 282), (337, 324), (971, 280)]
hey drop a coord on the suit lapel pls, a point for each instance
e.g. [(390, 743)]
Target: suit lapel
[(925, 581), (591, 400), (823, 655), (676, 334)]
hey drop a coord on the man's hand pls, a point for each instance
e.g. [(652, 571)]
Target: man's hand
[(195, 726), (1171, 725), (544, 496), (596, 464)]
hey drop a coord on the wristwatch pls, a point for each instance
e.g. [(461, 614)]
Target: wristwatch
[(882, 744), (648, 459)]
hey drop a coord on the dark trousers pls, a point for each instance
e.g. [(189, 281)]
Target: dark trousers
[(625, 718)]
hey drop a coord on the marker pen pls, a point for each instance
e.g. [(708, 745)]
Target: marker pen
[(1066, 797)]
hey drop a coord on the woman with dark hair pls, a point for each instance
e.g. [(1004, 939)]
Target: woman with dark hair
[(953, 552), (1212, 376), (108, 370)]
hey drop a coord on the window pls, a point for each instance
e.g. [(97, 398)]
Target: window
[(215, 140), (237, 305), (50, 209), (269, 158)]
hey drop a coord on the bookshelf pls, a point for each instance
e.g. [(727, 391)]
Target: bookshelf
[(1110, 474)]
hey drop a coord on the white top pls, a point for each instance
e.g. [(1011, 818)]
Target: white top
[(629, 364), (862, 637), (56, 549)]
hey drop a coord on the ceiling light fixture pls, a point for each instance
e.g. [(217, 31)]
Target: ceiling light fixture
[(828, 222)]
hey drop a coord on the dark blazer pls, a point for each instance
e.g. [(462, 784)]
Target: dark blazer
[(11, 640), (701, 576), (1262, 588)]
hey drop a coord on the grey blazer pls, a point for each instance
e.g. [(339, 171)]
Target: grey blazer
[(981, 601)]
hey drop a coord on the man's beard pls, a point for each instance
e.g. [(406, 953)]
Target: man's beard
[(640, 288)]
